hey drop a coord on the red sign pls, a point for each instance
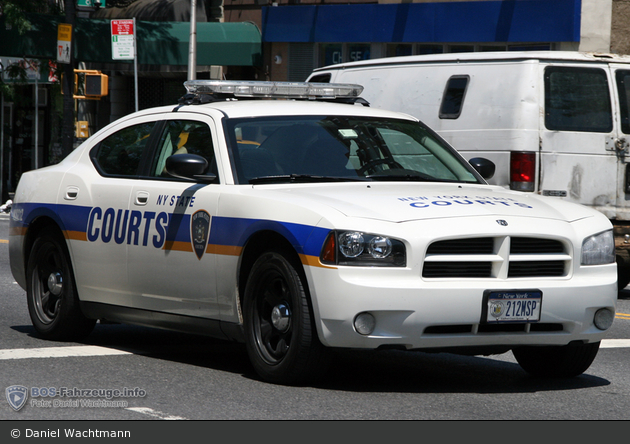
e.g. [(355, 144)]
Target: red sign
[(123, 40), (122, 27)]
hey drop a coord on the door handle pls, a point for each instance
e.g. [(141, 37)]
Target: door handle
[(71, 193), (142, 198)]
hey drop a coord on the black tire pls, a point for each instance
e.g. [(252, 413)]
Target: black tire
[(285, 350), (53, 303), (557, 362), (623, 275)]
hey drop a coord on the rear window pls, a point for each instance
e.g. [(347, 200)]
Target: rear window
[(577, 99), (120, 153), (623, 87)]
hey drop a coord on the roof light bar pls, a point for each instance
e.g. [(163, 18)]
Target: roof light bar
[(289, 90)]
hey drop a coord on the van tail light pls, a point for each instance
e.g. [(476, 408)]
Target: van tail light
[(522, 171)]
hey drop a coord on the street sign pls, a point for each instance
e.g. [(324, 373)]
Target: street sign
[(123, 34), (64, 42)]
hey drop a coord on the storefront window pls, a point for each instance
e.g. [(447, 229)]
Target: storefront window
[(399, 49), (333, 53), (330, 54), (429, 49), (358, 51)]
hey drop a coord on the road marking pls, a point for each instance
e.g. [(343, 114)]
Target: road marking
[(622, 316), (93, 350), (59, 352), (615, 343), (4, 241), (155, 413)]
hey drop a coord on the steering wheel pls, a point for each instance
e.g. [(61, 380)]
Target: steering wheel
[(373, 163)]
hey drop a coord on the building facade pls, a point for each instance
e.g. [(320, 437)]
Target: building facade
[(299, 35), (280, 40)]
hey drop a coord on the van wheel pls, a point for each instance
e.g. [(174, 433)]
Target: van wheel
[(280, 334), (53, 303), (556, 361), (623, 274)]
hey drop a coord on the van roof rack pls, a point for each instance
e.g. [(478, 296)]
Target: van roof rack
[(206, 91)]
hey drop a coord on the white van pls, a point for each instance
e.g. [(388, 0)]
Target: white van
[(555, 123)]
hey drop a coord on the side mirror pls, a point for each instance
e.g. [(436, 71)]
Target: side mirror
[(189, 166), (483, 166)]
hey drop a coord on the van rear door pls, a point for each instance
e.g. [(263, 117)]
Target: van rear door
[(620, 145), (578, 131)]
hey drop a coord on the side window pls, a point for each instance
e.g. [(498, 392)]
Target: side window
[(453, 97), (321, 78), (577, 99), (180, 137), (120, 153), (623, 86)]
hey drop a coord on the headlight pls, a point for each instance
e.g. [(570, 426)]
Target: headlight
[(599, 249), (363, 249)]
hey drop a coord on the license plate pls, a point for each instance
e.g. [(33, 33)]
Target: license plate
[(512, 306)]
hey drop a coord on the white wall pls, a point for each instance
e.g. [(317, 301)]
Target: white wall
[(596, 26)]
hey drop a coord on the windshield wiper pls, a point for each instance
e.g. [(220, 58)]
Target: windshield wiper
[(404, 177), (302, 178)]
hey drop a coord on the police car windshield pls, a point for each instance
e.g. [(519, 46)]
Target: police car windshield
[(340, 148)]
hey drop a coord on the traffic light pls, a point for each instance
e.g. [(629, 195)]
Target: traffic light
[(96, 84), (88, 84), (75, 85)]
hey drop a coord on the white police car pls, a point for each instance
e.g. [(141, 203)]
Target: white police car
[(303, 224)]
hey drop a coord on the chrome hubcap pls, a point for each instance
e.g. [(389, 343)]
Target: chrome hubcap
[(55, 283), (281, 317)]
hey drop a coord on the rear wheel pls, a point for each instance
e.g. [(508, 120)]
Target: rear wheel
[(557, 362), (281, 339), (51, 294)]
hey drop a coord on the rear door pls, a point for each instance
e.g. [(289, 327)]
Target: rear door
[(578, 130), (100, 201), (620, 145)]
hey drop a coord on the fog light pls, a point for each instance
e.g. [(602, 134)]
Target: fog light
[(364, 323), (603, 318)]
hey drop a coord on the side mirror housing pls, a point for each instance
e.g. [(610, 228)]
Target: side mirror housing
[(484, 167), (190, 167)]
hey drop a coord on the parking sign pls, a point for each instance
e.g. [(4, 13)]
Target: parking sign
[(123, 40)]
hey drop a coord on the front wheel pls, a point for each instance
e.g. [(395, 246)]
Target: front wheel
[(556, 361), (281, 339), (53, 304)]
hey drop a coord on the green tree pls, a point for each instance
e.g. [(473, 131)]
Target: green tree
[(14, 14)]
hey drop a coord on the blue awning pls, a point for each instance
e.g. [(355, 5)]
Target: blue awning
[(475, 21)]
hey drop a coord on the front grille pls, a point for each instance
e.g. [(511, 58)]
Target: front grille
[(482, 245), (457, 269), (526, 245), (536, 269), (500, 257)]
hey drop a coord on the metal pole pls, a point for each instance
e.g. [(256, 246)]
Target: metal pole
[(36, 158), (192, 43), (135, 61)]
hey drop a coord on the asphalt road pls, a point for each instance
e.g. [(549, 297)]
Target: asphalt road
[(175, 376)]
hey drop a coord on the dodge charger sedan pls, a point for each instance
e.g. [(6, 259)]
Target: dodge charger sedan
[(296, 219)]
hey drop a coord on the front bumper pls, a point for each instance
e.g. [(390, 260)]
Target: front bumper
[(414, 313)]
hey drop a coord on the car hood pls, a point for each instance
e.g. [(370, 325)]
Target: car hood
[(396, 202)]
